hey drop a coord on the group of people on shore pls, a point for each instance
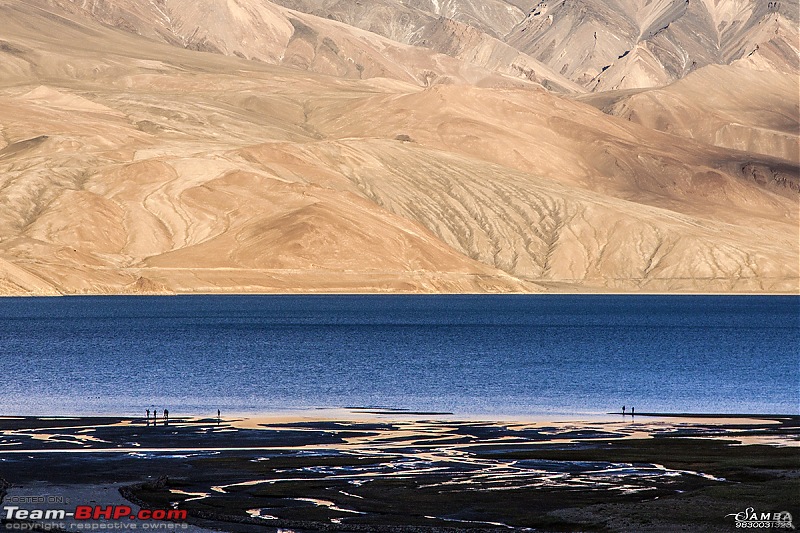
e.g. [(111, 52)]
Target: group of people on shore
[(165, 416), (633, 412), (155, 417)]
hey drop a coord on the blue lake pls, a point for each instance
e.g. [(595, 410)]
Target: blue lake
[(486, 355)]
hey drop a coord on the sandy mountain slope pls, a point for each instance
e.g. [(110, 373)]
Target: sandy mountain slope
[(264, 31), (495, 17), (623, 44), (457, 28), (129, 165), (401, 17), (750, 110), (564, 140)]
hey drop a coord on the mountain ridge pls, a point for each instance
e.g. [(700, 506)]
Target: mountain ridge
[(129, 164)]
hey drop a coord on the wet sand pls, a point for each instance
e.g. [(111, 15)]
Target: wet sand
[(376, 470)]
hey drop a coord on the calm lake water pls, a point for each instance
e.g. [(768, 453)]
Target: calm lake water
[(491, 355)]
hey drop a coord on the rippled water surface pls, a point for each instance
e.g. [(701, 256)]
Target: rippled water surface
[(493, 355)]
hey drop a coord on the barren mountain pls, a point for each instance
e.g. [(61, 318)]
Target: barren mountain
[(264, 31), (566, 46), (748, 110), (131, 163), (458, 28), (624, 44)]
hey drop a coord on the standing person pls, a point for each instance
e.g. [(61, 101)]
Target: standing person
[(219, 414), (632, 411), (155, 416), (623, 410), (166, 416), (148, 416)]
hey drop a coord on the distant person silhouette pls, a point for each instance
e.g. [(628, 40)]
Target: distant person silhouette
[(632, 411), (219, 416), (623, 410), (166, 416), (155, 416), (148, 417)]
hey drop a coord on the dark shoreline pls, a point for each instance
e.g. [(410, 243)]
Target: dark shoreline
[(422, 474)]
